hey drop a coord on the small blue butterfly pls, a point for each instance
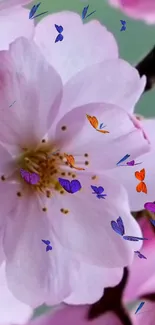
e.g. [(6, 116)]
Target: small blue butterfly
[(84, 12), (47, 242), (102, 126), (33, 11), (98, 191), (140, 306), (123, 159), (60, 36)]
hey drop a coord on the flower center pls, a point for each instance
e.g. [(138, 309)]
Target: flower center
[(50, 165), (47, 163)]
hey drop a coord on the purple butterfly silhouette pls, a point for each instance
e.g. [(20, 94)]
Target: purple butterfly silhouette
[(150, 206), (47, 242), (31, 178), (140, 255), (98, 191), (70, 187), (119, 228), (131, 163)]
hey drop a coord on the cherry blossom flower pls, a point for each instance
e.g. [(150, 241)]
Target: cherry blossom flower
[(78, 232), (137, 9), (53, 97), (14, 22)]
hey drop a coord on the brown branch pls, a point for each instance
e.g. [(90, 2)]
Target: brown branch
[(147, 67)]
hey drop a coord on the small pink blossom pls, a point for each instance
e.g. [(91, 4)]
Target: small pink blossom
[(137, 9)]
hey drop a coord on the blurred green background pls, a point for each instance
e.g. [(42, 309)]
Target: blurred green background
[(134, 43)]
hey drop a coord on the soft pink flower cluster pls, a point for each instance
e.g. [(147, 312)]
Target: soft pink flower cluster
[(55, 85)]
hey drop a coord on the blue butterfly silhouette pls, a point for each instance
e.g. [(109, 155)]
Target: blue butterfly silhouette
[(60, 36), (47, 242), (84, 12), (123, 22), (123, 159), (140, 306), (98, 191), (102, 126), (33, 11)]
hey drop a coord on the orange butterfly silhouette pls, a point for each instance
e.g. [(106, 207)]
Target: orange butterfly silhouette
[(94, 122), (141, 187), (71, 162)]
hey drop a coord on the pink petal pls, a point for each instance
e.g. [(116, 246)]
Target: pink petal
[(81, 46), (11, 3), (145, 282), (126, 175), (12, 310), (86, 229), (14, 23), (101, 83), (137, 9), (85, 291), (35, 276), (75, 315), (104, 150), (36, 105), (8, 199), (149, 127), (6, 161)]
